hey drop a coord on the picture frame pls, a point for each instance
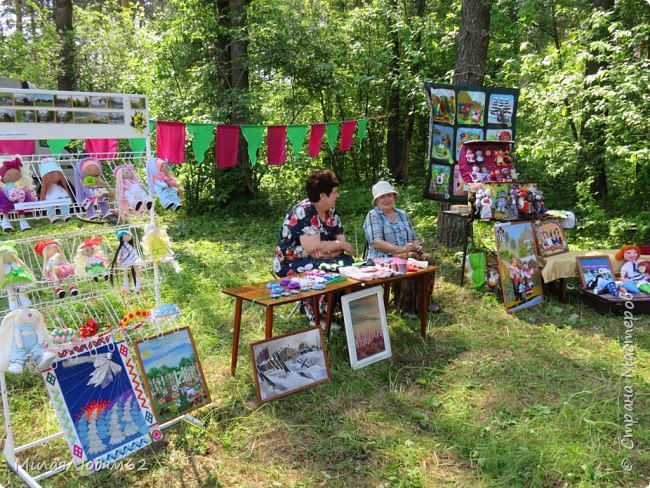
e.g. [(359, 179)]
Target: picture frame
[(366, 327), (521, 280), (550, 238), (172, 374), (289, 363), (590, 266)]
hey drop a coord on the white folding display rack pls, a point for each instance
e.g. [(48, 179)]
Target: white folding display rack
[(46, 115)]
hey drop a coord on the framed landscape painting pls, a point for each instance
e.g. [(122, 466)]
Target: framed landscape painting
[(289, 363), (173, 376), (366, 327), (521, 280)]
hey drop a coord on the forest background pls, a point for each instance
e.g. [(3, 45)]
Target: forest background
[(583, 68)]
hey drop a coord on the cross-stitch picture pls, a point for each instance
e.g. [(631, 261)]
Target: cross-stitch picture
[(94, 394), (172, 374)]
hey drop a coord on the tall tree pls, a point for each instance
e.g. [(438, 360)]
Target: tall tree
[(63, 22)]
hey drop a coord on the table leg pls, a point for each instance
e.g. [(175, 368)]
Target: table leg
[(235, 336), (328, 314), (425, 301), (268, 326), (386, 287), (316, 303)]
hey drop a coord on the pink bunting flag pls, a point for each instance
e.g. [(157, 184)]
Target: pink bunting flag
[(102, 148), (227, 145), (24, 148), (170, 141), (316, 139), (347, 131), (276, 140)]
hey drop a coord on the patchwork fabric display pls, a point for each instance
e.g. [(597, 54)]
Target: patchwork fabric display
[(100, 402)]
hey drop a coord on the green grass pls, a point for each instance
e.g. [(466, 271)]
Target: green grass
[(487, 399)]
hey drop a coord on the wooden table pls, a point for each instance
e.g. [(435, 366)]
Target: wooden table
[(259, 294)]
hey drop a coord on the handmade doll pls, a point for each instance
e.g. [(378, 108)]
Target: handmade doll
[(23, 333), (54, 188), (157, 246), (634, 281), (600, 284), (91, 187), (127, 259), (164, 184), (89, 260), (15, 275), (469, 156), (132, 199), (486, 205), (16, 187), (56, 268)]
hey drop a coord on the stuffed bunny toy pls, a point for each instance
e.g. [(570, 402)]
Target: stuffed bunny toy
[(23, 333)]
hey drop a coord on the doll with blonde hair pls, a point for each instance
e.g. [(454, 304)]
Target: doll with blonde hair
[(634, 280), (56, 268), (89, 260), (15, 275), (131, 197), (157, 245)]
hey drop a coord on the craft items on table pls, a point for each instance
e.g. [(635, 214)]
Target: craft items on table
[(506, 201), (165, 186), (99, 401), (55, 190), (90, 261), (56, 268), (15, 276), (128, 260), (173, 375), (91, 188), (23, 334), (521, 282), (16, 186), (157, 246), (132, 199), (633, 280)]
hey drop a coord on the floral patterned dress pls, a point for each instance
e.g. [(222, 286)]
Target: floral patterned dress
[(303, 220)]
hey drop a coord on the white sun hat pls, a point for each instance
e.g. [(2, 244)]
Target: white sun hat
[(382, 188)]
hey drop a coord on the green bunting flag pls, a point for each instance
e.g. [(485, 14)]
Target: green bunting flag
[(138, 146), (152, 125), (57, 145), (296, 134), (362, 125), (332, 131), (202, 137), (254, 134)]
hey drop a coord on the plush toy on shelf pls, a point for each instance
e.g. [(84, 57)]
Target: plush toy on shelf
[(633, 279), (90, 261), (157, 245), (168, 189), (54, 188), (16, 187), (56, 268), (22, 334), (15, 275), (128, 260), (91, 187), (132, 199)]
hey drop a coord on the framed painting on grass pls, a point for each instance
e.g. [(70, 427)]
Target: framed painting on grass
[(591, 268), (521, 280), (366, 327), (550, 239), (99, 401), (173, 375), (289, 363)]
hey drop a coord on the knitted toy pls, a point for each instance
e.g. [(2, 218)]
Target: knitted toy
[(56, 268), (91, 187), (157, 246), (634, 280), (54, 187), (15, 275), (23, 333), (89, 260), (127, 259), (15, 187), (168, 189), (132, 199)]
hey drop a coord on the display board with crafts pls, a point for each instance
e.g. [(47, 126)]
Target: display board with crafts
[(83, 306)]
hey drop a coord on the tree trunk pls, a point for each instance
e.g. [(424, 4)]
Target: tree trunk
[(18, 5), (63, 22), (394, 137), (471, 59)]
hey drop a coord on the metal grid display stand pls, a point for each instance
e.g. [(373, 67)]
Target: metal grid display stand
[(96, 300)]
